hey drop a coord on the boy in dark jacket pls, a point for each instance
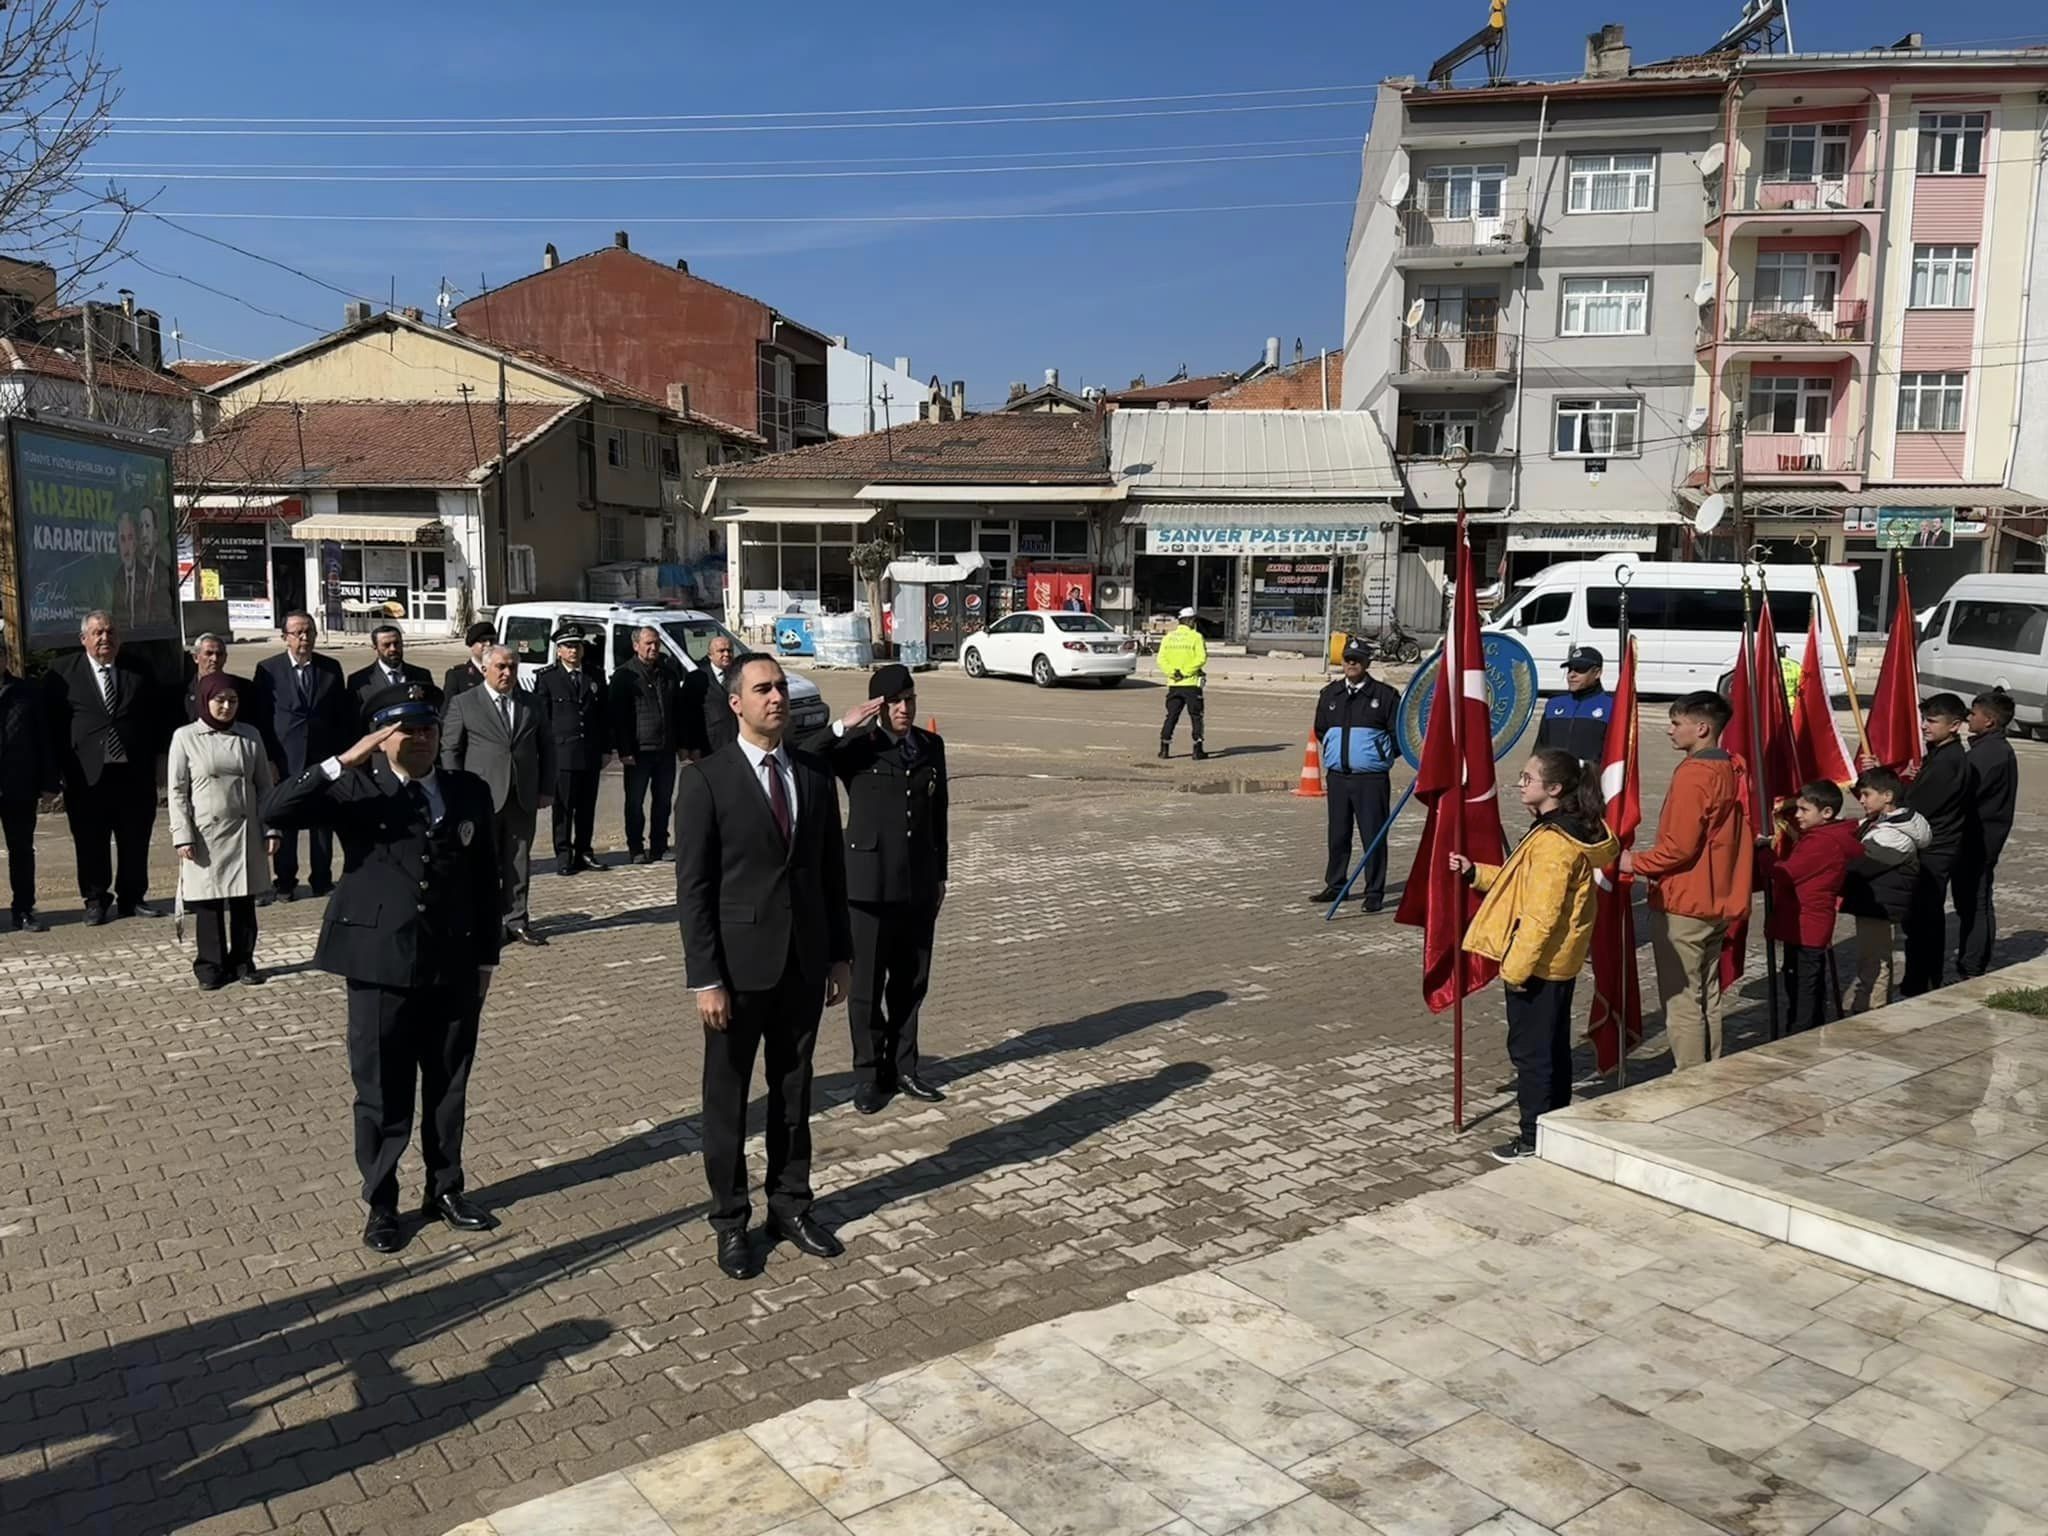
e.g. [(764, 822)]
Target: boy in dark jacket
[(1945, 792), (1806, 884), (1879, 890), (28, 771), (1997, 775)]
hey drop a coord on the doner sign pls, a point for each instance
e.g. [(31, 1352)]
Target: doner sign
[(93, 530)]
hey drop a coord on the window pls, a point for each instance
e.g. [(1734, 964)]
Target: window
[(1544, 608), (1606, 306), (1797, 280), (520, 570), (1943, 276), (1930, 402), (2018, 628), (1432, 434), (1079, 624), (1443, 311), (615, 450), (646, 450), (694, 636), (611, 537), (1070, 537), (1463, 191), (1613, 183), (1952, 143), (1788, 403), (672, 459), (1936, 617), (1597, 428), (527, 634), (1806, 152)]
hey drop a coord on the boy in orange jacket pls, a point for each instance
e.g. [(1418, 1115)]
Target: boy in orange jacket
[(1701, 869)]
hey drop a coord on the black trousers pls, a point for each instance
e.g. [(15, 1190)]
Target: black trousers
[(785, 1021), (655, 773), (1978, 917), (284, 867), (574, 810), (119, 810), (1926, 928), (1540, 1046), (18, 817), (892, 971), (1178, 699), (1363, 799), (1806, 987), (397, 1034), (226, 939)]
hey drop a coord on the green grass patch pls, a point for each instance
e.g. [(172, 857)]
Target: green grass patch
[(2028, 1000)]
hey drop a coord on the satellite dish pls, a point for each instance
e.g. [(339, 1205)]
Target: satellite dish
[(1704, 294), (1399, 189), (1713, 159), (1414, 316), (1711, 511), (1695, 418)]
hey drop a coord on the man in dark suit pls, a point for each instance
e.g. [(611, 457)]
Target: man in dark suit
[(389, 670), (498, 733), (414, 929), (209, 655), (479, 637), (108, 722), (577, 712), (302, 710), (708, 719), (28, 771), (647, 730), (895, 778), (761, 896)]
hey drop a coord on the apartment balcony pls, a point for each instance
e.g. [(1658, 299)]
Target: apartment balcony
[(1433, 238), (1792, 330), (1810, 205), (1454, 365), (1803, 458), (808, 420), (1433, 482)]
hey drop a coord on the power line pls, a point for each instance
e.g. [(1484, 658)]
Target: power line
[(809, 219)]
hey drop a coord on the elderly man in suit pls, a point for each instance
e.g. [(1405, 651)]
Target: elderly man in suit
[(301, 709), (708, 720), (389, 670), (209, 655), (500, 733), (761, 896), (108, 721)]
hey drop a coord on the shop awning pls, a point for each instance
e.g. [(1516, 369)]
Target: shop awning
[(933, 570), (843, 517), (1995, 496), (1260, 514), (371, 528)]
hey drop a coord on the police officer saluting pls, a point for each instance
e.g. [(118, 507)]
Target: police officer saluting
[(578, 714), (1576, 721), (414, 928), (895, 778), (1354, 731)]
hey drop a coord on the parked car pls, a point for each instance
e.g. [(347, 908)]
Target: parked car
[(686, 633), (1990, 631), (1050, 648)]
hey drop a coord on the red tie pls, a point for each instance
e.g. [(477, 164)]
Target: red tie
[(778, 798)]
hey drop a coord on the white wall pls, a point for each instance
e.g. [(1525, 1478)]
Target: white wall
[(847, 386)]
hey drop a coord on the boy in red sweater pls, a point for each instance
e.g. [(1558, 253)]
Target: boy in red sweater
[(1806, 884)]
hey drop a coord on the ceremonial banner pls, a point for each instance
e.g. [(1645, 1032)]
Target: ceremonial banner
[(1617, 988)]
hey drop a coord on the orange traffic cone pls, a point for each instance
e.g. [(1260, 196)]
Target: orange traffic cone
[(1311, 785), (931, 725)]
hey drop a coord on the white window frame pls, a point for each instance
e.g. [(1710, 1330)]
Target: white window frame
[(1627, 297), (1940, 393), (1447, 427), (1482, 188), (1952, 143), (1944, 277), (1820, 271), (1435, 298), (1806, 393), (1585, 410), (1638, 181), (1817, 139)]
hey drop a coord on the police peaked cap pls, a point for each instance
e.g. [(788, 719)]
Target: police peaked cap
[(405, 704)]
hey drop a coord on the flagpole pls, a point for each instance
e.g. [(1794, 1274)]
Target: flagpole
[(1450, 688), (1827, 601), (1622, 882), (1756, 759)]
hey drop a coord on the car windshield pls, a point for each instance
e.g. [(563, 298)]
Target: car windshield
[(694, 636), (1080, 624)]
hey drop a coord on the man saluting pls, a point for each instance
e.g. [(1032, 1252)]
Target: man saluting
[(414, 928)]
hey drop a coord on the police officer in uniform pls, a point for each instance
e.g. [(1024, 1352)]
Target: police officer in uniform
[(579, 715), (414, 928), (1576, 720), (895, 778), (1354, 731)]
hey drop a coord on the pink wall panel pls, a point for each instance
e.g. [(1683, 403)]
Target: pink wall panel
[(1936, 340), (1928, 456), (1948, 210)]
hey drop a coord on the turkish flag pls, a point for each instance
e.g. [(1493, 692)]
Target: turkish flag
[(1763, 750), (1893, 729), (1455, 781), (1617, 988), (1817, 742)]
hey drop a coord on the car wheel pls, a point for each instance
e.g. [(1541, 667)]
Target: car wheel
[(1110, 681), (971, 664), (1042, 672)]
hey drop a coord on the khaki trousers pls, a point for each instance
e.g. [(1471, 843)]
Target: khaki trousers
[(1873, 988), (1688, 954)]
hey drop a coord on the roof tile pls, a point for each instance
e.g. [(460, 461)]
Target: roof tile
[(999, 449), (361, 443)]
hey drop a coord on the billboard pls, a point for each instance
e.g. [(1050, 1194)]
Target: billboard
[(92, 521), (1916, 527)]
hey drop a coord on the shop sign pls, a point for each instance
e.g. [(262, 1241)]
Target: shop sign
[(1604, 537), (1300, 539)]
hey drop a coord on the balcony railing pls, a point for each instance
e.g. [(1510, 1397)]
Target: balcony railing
[(809, 418), (1770, 454), (1848, 193), (1489, 352), (1470, 226), (1797, 322)]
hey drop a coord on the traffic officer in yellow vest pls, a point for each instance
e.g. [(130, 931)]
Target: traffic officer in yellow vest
[(1183, 656)]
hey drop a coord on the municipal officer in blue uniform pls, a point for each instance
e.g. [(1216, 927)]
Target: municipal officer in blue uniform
[(1355, 732), (1576, 720), (414, 928)]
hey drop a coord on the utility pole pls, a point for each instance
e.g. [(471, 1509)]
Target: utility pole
[(1735, 507), (504, 527)]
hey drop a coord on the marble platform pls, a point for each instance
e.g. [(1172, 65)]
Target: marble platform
[(1911, 1141)]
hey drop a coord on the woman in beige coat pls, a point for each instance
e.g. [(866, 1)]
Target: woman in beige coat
[(218, 776)]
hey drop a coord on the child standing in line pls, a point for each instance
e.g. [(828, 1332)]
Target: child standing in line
[(1997, 775), (1537, 922), (1807, 884), (1879, 890), (1945, 793)]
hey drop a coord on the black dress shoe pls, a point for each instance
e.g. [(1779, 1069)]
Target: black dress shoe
[(735, 1256), (140, 909), (1164, 751), (322, 891), (1326, 895), (212, 983), (249, 975), (97, 916), (1375, 903), (918, 1088), (869, 1098), (565, 866), (383, 1233), (587, 860), (526, 935), (458, 1212), (805, 1235), (1201, 756), (28, 922), (284, 893)]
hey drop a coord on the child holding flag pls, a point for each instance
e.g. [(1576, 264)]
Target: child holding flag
[(1537, 922), (1806, 884)]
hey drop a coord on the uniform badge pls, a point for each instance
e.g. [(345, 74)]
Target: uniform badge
[(466, 832), (1599, 714)]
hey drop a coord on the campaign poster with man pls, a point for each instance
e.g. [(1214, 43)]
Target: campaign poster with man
[(93, 528)]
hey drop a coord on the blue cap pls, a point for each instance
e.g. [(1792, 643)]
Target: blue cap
[(405, 704)]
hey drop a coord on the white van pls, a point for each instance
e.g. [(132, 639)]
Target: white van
[(1686, 617), (686, 633), (1990, 631)]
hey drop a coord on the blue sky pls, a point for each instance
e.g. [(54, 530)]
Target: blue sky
[(1100, 298)]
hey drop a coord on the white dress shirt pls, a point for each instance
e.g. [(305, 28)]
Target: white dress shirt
[(765, 763)]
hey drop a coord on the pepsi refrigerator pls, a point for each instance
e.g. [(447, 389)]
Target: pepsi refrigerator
[(943, 626)]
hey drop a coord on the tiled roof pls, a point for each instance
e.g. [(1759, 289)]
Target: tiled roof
[(1174, 391), (362, 443), (998, 449), (204, 375), (47, 362)]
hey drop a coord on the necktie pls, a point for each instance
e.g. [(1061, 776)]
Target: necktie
[(306, 684), (778, 797), (421, 807), (107, 687), (113, 751), (505, 712)]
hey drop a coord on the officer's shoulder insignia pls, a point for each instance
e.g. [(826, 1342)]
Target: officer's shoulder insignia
[(1599, 714), (466, 832)]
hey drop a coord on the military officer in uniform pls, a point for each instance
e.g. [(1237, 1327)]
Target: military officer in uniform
[(414, 928), (578, 715), (1354, 731), (895, 778)]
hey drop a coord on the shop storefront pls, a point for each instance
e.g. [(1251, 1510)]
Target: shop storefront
[(1537, 539), (1262, 575), (794, 560), (1024, 554), (240, 551), (372, 569)]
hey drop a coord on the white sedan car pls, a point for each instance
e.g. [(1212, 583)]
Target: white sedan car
[(1048, 648)]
